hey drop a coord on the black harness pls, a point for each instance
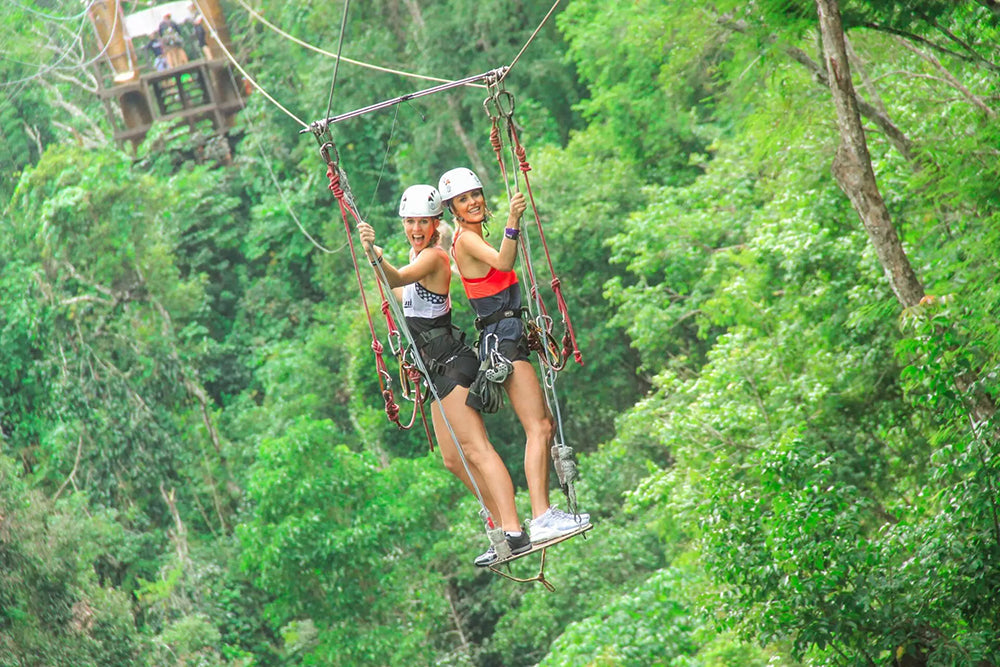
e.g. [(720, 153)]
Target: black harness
[(493, 318), (433, 365)]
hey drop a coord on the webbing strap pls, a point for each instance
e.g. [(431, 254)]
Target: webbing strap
[(493, 318)]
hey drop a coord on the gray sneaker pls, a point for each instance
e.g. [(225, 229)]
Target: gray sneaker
[(518, 545), (556, 523), (488, 557)]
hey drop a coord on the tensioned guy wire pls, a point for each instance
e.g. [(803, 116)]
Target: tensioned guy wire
[(340, 47)]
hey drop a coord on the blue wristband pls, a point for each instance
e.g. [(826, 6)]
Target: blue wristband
[(511, 233)]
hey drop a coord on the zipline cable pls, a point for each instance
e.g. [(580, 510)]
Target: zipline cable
[(494, 76), (246, 75), (530, 39), (378, 68), (320, 130)]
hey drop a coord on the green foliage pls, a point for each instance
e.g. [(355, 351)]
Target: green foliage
[(649, 113), (196, 467), (651, 625), (52, 606), (812, 478), (337, 539)]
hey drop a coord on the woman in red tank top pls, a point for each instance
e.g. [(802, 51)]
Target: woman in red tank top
[(492, 287)]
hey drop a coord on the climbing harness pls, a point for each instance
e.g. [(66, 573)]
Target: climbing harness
[(486, 393)]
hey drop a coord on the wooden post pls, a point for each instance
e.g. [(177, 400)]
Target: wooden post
[(109, 24)]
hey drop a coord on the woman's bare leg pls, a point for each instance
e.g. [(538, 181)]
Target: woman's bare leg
[(529, 404), (484, 463)]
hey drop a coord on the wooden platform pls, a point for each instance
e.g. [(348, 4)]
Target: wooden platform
[(542, 546)]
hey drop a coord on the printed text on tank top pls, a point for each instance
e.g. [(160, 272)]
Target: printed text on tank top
[(418, 301)]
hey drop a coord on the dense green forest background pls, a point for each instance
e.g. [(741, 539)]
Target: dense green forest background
[(776, 225)]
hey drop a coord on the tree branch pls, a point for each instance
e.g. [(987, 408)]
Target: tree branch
[(72, 473), (975, 57), (950, 78), (895, 136)]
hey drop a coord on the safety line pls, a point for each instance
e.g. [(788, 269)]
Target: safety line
[(401, 320), (242, 71), (345, 59), (385, 158)]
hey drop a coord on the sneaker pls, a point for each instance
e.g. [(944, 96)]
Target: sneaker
[(518, 545), (486, 558), (556, 523)]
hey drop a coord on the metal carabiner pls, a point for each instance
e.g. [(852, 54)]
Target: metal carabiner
[(324, 151), (394, 339), (504, 94)]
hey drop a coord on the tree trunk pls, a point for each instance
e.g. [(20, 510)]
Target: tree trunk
[(852, 166)]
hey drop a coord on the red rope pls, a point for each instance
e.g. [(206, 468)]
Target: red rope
[(384, 379), (391, 408), (570, 345), (497, 144)]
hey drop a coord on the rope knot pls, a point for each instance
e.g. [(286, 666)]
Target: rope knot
[(391, 409), (555, 283), (334, 186), (522, 158), (495, 139), (377, 346)]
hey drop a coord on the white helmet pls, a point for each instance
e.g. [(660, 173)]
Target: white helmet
[(456, 181), (420, 201)]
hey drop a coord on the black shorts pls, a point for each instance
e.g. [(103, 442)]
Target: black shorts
[(450, 363), (508, 336)]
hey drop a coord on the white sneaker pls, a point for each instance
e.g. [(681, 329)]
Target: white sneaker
[(556, 523)]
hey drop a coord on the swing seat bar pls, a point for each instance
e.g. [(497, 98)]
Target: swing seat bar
[(486, 76), (535, 548)]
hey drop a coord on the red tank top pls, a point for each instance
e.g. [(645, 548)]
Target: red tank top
[(491, 284)]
